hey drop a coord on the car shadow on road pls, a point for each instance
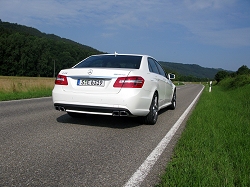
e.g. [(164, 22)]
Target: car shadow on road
[(100, 121), (163, 110)]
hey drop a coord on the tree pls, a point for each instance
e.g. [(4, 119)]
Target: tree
[(221, 75), (243, 70)]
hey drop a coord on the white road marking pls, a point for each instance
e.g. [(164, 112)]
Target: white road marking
[(141, 173)]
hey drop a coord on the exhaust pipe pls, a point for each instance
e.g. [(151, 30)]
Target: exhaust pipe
[(123, 113), (62, 108), (120, 113), (116, 113)]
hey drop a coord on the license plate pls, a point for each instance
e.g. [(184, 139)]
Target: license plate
[(90, 82)]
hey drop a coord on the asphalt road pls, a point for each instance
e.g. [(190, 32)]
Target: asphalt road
[(40, 146)]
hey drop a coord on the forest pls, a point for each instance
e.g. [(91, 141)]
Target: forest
[(26, 51)]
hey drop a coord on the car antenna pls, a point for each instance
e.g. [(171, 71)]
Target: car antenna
[(116, 53)]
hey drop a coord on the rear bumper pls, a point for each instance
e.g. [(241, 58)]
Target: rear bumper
[(130, 102), (93, 109)]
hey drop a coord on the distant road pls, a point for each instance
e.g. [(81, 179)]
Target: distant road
[(40, 146)]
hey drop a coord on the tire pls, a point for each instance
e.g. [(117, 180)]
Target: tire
[(152, 116), (173, 102)]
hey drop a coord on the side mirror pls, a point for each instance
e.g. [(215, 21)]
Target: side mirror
[(171, 76)]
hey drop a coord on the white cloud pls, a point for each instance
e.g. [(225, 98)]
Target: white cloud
[(203, 4)]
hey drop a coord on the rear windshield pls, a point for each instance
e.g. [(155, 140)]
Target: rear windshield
[(111, 61)]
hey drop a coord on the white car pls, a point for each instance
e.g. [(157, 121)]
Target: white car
[(116, 85)]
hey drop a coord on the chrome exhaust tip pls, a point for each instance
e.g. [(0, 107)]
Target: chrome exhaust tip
[(62, 108), (120, 113), (123, 113), (116, 113)]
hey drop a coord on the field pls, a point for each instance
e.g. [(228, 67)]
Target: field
[(214, 149), (12, 88)]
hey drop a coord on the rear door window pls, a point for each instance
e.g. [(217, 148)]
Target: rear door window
[(162, 72), (152, 66)]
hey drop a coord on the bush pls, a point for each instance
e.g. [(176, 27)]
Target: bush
[(235, 82), (221, 75)]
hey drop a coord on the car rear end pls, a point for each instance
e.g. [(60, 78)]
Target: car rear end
[(106, 90)]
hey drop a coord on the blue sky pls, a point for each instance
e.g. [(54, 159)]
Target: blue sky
[(210, 33)]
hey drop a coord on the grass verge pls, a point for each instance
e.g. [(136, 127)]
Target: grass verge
[(214, 149), (12, 88)]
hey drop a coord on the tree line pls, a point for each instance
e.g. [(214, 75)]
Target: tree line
[(26, 51), (185, 78), (221, 75)]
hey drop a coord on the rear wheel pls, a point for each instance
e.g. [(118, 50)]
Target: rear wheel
[(173, 102), (152, 116)]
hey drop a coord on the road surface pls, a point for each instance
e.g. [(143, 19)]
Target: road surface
[(40, 146)]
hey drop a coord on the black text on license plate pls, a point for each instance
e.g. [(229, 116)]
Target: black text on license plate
[(90, 82)]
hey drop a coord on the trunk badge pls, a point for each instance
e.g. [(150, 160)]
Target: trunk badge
[(90, 71)]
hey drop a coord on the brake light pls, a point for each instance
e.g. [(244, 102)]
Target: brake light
[(129, 82), (61, 80)]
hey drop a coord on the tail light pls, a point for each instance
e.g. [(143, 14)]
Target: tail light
[(61, 80), (129, 82)]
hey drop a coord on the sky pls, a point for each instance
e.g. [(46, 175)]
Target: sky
[(210, 33)]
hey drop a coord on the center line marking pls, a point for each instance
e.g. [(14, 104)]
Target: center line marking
[(141, 173)]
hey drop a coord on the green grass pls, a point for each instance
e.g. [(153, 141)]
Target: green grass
[(214, 149), (178, 83), (39, 92), (13, 88)]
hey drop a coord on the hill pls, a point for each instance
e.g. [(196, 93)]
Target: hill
[(190, 70), (14, 27), (26, 51)]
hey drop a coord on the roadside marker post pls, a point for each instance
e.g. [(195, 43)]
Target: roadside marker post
[(210, 86)]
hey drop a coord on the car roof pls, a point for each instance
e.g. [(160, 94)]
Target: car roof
[(126, 54)]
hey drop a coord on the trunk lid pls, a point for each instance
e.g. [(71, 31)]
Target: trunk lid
[(93, 80)]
